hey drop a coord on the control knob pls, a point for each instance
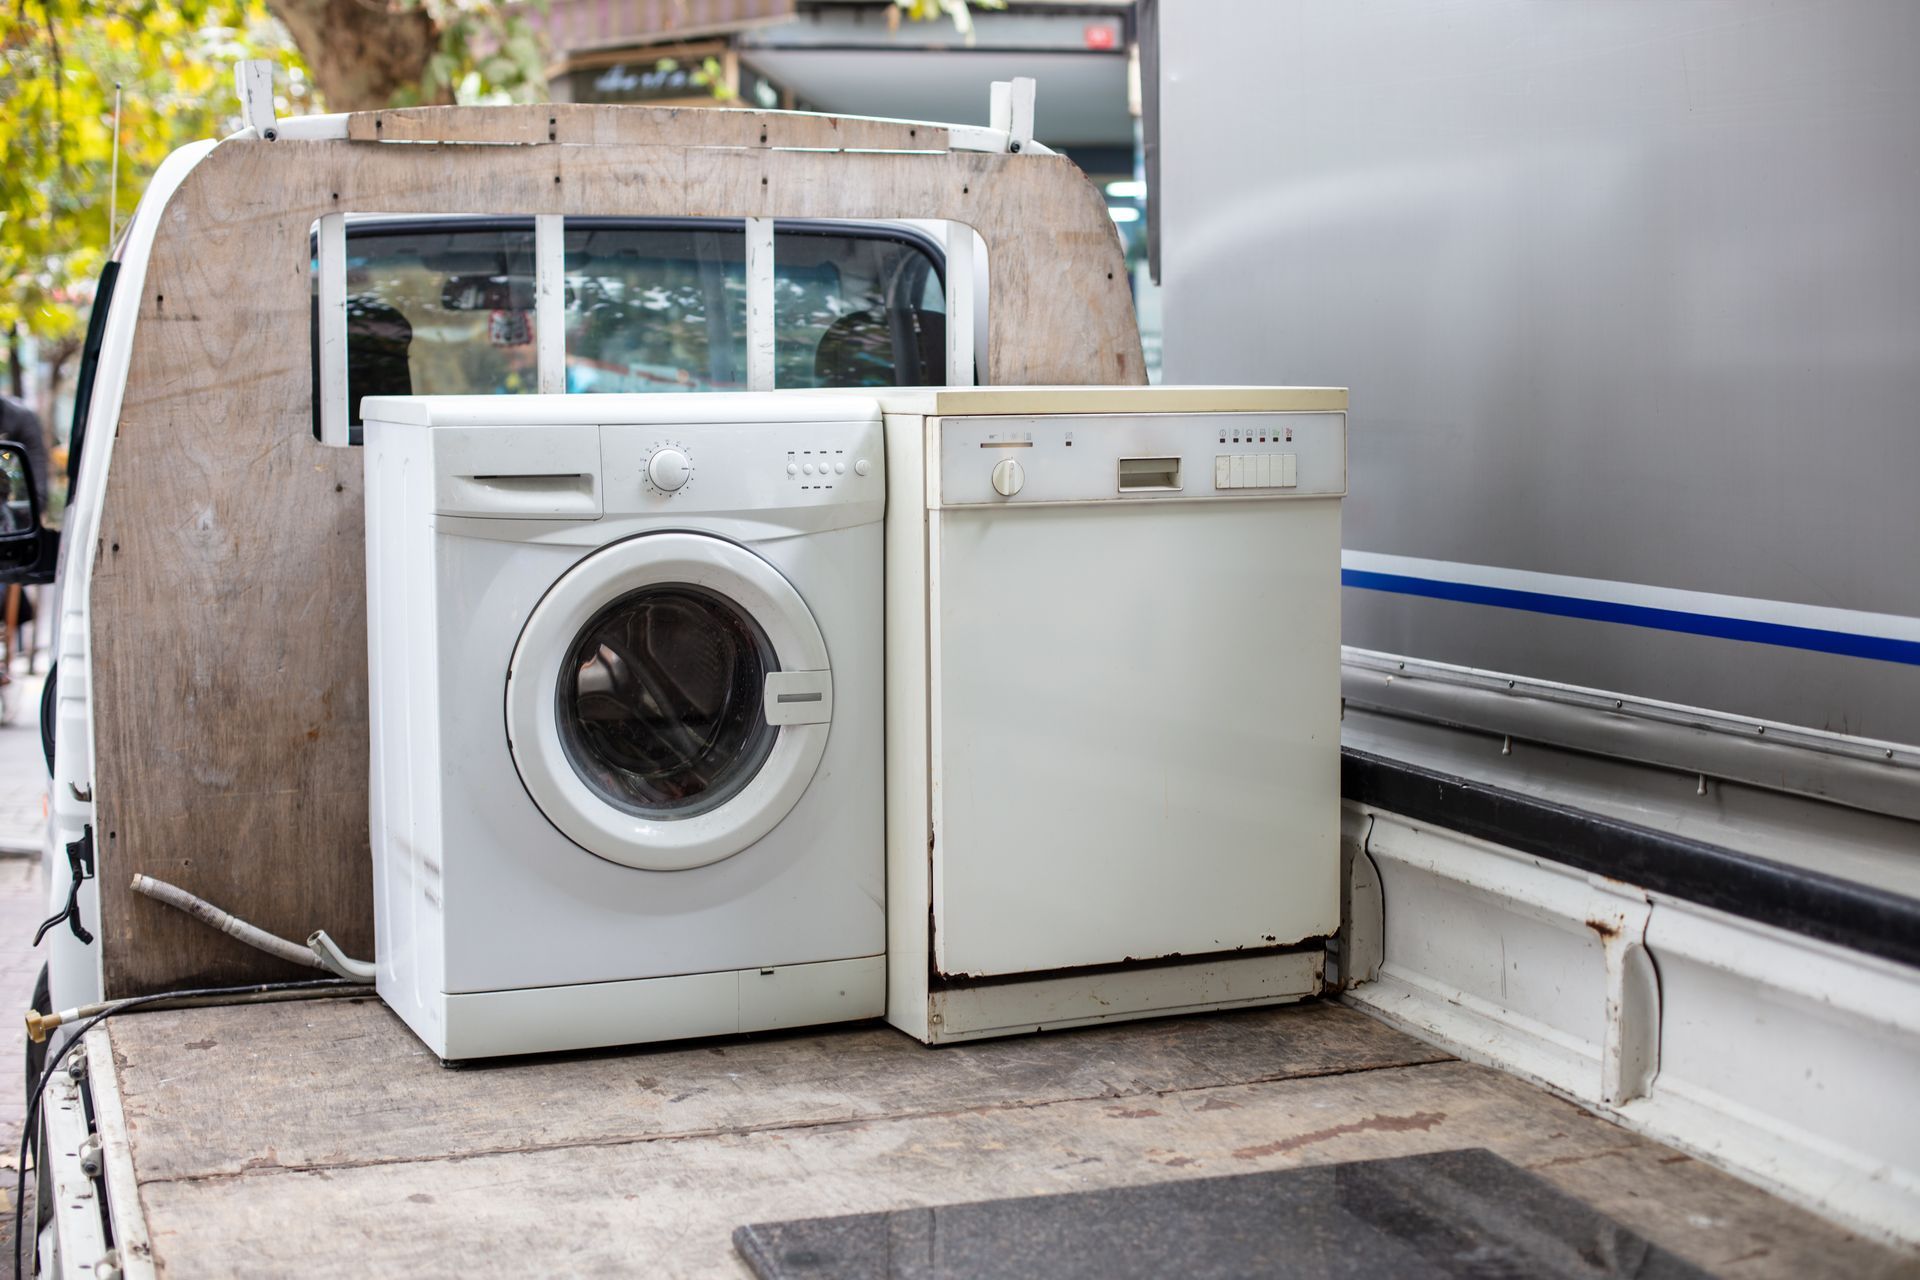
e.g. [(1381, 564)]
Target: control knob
[(1007, 477), (668, 469)]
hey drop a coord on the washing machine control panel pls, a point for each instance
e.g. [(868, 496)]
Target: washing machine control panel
[(732, 467), (583, 459), (1007, 460), (822, 469)]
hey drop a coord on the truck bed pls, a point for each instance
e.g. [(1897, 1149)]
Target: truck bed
[(320, 1138)]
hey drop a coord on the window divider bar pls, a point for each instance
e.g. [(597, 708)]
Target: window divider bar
[(960, 305), (550, 301), (760, 334), (332, 320)]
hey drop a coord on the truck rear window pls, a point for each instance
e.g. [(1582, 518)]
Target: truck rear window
[(651, 305)]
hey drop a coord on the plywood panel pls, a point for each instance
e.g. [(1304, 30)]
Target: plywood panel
[(228, 616), (844, 1122)]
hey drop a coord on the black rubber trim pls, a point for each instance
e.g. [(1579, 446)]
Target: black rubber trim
[(49, 696), (1810, 903), (89, 369), (937, 981)]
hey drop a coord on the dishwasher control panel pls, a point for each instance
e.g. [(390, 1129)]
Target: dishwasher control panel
[(1021, 460)]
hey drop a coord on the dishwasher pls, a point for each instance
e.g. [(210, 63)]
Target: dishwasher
[(1113, 721)]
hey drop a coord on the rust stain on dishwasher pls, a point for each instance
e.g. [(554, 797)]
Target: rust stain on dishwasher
[(1419, 1120)]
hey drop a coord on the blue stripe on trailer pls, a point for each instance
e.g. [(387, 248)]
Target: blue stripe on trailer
[(1817, 640)]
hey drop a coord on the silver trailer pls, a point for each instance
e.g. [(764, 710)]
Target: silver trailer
[(1628, 295)]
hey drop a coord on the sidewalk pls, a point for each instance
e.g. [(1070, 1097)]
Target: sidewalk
[(23, 769), (23, 786)]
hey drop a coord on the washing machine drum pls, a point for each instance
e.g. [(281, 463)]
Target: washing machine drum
[(669, 701)]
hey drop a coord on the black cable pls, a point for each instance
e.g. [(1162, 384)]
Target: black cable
[(54, 1062)]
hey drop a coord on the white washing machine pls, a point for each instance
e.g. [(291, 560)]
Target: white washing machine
[(625, 694)]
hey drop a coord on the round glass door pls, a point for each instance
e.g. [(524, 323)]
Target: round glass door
[(669, 701), (659, 701)]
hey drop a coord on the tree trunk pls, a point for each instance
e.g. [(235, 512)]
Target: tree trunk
[(16, 376), (361, 53), (54, 360)]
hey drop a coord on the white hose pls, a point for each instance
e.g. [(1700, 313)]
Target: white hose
[(339, 962), (321, 951), (233, 926)]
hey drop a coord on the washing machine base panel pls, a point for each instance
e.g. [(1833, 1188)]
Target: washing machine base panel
[(1149, 991), (488, 1024)]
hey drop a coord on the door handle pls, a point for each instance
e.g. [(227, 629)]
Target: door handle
[(798, 697)]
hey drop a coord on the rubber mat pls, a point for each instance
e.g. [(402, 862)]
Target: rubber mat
[(1461, 1213)]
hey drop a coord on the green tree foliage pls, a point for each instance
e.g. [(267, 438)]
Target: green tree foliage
[(62, 60), (960, 11)]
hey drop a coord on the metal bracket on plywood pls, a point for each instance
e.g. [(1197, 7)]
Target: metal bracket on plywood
[(253, 81), (1010, 104)]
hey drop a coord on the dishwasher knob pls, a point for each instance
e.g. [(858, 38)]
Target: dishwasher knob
[(668, 469), (1007, 477)]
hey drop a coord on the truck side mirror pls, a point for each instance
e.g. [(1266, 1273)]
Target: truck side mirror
[(25, 547)]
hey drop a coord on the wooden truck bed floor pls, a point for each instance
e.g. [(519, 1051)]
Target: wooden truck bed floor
[(319, 1138)]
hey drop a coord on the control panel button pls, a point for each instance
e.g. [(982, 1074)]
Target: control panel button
[(793, 468), (668, 469), (862, 467), (1256, 471), (1008, 477), (839, 468)]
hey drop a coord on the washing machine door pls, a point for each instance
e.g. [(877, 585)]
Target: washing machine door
[(669, 701)]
